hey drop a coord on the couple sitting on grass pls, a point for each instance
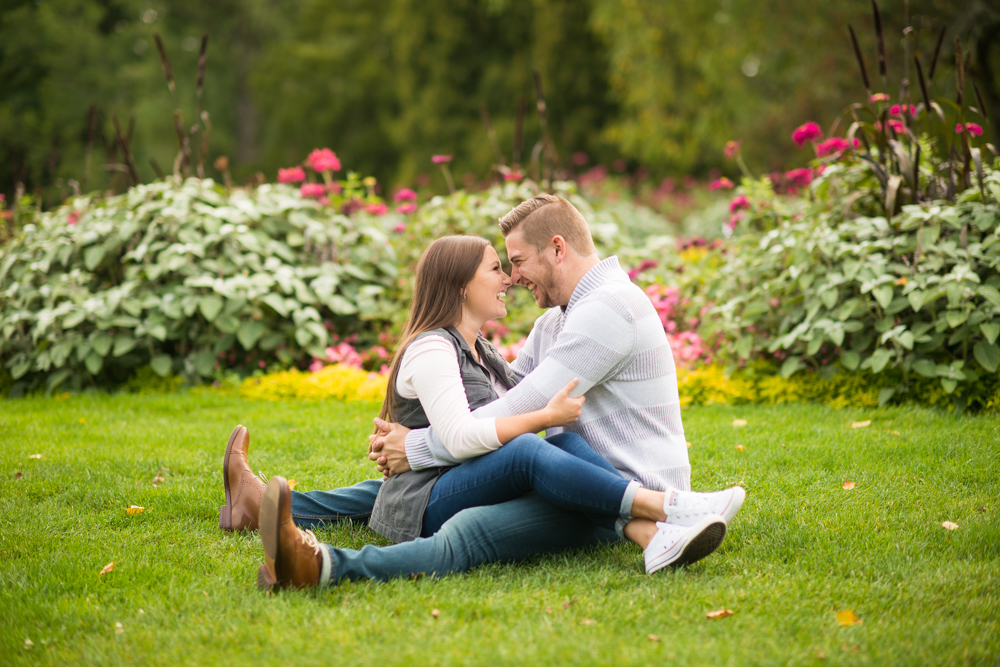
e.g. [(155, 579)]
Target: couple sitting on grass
[(466, 480)]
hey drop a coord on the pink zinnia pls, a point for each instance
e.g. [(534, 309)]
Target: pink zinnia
[(831, 145), (440, 159), (806, 132), (312, 190), (721, 184), (799, 177), (401, 227), (900, 109), (974, 130), (406, 194), (408, 207), (377, 209), (735, 218), (334, 188), (738, 203), (897, 126), (291, 175), (879, 97), (732, 149), (513, 176), (316, 365), (323, 159), (73, 218)]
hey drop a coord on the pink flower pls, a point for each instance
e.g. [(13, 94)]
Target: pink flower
[(377, 209), (400, 228), (334, 188), (406, 194), (580, 158), (879, 97), (262, 363), (897, 126), (799, 177), (645, 264), (323, 159), (408, 207), (515, 176), (775, 303), (732, 149), (739, 202), (900, 109), (440, 159), (721, 184), (312, 190), (806, 132), (291, 175), (73, 217), (316, 365), (344, 353), (831, 145), (598, 173), (324, 201), (734, 219), (974, 130)]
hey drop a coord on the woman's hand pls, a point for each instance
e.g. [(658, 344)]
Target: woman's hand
[(563, 410)]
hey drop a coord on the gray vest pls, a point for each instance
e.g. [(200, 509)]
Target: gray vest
[(398, 514)]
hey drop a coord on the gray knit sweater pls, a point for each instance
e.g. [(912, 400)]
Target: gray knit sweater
[(611, 338)]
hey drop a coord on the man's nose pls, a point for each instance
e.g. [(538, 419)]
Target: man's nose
[(515, 275)]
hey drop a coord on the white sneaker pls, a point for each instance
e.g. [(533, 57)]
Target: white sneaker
[(686, 508), (682, 545)]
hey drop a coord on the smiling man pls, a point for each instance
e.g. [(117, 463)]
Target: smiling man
[(600, 328)]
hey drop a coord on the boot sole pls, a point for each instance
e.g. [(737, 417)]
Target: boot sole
[(226, 511), (269, 527)]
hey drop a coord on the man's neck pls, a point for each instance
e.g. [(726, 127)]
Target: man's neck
[(574, 273)]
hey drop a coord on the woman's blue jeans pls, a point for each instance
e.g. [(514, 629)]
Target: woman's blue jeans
[(562, 469)]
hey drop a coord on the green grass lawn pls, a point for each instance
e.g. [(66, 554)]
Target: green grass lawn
[(802, 549)]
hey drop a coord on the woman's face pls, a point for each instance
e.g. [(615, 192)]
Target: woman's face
[(485, 293)]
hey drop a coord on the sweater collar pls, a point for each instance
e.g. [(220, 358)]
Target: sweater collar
[(605, 271)]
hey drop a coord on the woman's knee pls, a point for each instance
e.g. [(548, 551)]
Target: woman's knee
[(567, 441)]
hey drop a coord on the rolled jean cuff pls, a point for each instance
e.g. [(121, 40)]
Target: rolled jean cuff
[(628, 498)]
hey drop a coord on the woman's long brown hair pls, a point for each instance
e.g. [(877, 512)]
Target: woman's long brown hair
[(445, 268)]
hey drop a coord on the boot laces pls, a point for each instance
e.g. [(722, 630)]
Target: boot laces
[(260, 473), (309, 539)]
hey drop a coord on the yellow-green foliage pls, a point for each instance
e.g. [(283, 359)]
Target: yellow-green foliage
[(346, 383)]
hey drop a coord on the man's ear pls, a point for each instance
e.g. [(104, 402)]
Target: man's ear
[(560, 246)]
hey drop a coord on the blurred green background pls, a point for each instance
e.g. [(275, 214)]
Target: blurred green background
[(651, 87)]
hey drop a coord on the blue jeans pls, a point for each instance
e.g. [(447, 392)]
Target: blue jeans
[(563, 469)]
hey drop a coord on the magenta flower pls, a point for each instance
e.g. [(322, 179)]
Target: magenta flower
[(408, 207), (312, 190), (73, 217), (721, 184), (973, 129), (879, 97), (734, 219), (738, 203), (515, 176), (806, 132), (406, 194), (316, 365), (831, 145), (323, 159), (440, 159), (377, 209), (799, 178), (732, 149), (580, 158), (900, 109), (400, 228), (897, 126), (291, 175)]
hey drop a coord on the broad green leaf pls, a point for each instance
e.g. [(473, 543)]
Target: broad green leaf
[(157, 331), (916, 299), (303, 336), (743, 346), (906, 339), (883, 294), (814, 345), (18, 371), (210, 305), (93, 256), (949, 385), (161, 364), (227, 323), (102, 343), (991, 330), (94, 363), (74, 318), (249, 333), (988, 355), (57, 379), (124, 343), (341, 306), (790, 366), (885, 395), (271, 341), (990, 293), (836, 335), (925, 367), (204, 363), (956, 318), (880, 358), (850, 360), (276, 302)]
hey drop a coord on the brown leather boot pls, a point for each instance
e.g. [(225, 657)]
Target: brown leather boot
[(292, 557), (243, 489)]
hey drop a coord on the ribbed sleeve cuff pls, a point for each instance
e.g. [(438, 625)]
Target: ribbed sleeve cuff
[(417, 452)]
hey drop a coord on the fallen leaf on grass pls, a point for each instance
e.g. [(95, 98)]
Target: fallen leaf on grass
[(435, 613), (719, 613), (141, 612), (893, 432), (848, 485), (34, 456), (205, 593), (867, 422), (18, 476), (134, 509), (107, 568), (689, 445), (981, 509), (158, 479), (950, 526), (567, 605), (28, 643), (739, 448), (548, 610), (739, 422), (587, 621), (119, 628), (652, 638), (292, 484), (847, 617)]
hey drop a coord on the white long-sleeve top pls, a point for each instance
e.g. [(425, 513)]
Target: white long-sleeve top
[(429, 372)]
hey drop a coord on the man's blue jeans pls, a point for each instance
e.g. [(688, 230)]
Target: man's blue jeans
[(508, 532)]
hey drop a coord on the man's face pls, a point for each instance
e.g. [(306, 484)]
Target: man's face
[(532, 269)]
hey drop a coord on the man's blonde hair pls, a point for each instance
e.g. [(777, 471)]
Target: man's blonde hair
[(542, 217)]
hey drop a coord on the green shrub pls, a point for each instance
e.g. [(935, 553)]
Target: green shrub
[(180, 276)]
